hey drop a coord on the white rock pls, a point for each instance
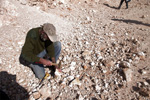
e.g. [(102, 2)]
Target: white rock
[(112, 34), (54, 87), (92, 63), (45, 92), (106, 85), (64, 59), (104, 71), (1, 23), (100, 57), (73, 63), (144, 72), (128, 74), (81, 97), (98, 88), (36, 95), (21, 80), (20, 43), (57, 73), (34, 85), (0, 61), (66, 70), (139, 84), (72, 67), (86, 42), (75, 82), (71, 77), (62, 1), (88, 18), (146, 83), (9, 66), (10, 48)]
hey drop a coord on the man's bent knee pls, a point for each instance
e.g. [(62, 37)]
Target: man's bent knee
[(58, 44), (40, 76)]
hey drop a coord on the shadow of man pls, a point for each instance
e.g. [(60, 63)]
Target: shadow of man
[(132, 22), (9, 87), (110, 6)]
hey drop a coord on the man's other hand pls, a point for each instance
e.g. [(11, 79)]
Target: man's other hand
[(45, 62)]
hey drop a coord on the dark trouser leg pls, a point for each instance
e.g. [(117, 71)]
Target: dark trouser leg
[(120, 4), (126, 4), (57, 46), (38, 69)]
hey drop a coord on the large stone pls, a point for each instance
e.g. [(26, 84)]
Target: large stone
[(36, 95), (128, 74)]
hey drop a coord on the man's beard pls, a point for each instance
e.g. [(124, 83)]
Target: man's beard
[(42, 37)]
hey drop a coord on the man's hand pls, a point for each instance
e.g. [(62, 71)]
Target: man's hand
[(45, 62)]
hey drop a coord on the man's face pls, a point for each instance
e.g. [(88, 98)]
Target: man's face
[(43, 36)]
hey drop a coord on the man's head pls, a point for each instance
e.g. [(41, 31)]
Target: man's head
[(50, 31)]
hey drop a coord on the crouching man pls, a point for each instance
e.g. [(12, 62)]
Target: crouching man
[(40, 42)]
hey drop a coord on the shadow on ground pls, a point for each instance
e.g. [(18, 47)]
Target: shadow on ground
[(9, 85), (131, 21), (110, 6)]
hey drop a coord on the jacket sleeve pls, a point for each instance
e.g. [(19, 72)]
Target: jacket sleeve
[(27, 50)]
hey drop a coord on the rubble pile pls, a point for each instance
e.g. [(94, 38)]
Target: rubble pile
[(99, 60)]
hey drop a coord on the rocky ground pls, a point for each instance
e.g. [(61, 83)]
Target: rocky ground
[(105, 51)]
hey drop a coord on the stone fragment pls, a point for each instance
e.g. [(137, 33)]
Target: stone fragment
[(86, 53), (73, 63), (45, 92), (23, 2), (81, 97), (104, 71), (20, 43), (144, 92), (146, 83), (76, 81), (124, 64), (63, 84), (21, 80), (72, 66), (58, 73), (85, 67), (142, 71), (36, 95), (71, 78), (97, 88), (142, 55), (0, 61), (108, 63), (148, 80), (128, 74), (92, 63), (1, 24)]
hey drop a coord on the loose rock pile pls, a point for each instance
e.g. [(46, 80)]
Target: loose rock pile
[(96, 64)]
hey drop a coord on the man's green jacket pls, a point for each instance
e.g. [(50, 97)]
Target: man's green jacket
[(34, 45)]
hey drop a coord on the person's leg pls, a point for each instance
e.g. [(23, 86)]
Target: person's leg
[(126, 4), (57, 46), (120, 4), (38, 69)]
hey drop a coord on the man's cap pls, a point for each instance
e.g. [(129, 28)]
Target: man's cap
[(50, 30)]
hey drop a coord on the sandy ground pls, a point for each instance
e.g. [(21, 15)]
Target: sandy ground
[(110, 46)]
